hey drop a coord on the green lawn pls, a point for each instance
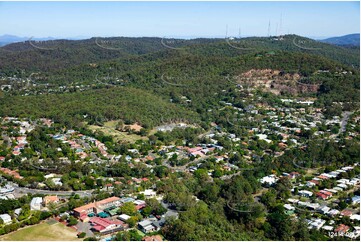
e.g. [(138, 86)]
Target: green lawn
[(42, 231), (109, 129)]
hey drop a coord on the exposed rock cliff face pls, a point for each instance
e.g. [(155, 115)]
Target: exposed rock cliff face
[(275, 81)]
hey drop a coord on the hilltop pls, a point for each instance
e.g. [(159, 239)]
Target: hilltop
[(60, 54), (346, 40)]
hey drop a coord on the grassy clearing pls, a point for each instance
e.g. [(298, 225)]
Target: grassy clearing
[(109, 129), (43, 231)]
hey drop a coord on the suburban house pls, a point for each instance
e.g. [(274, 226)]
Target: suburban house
[(355, 200), (149, 193), (317, 223), (12, 173), (342, 228), (305, 193), (50, 199), (346, 213), (17, 212), (36, 203), (324, 194), (153, 238), (6, 218), (123, 217), (270, 180), (146, 226)]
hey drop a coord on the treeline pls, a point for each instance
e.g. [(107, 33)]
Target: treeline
[(129, 104), (227, 210), (60, 54), (173, 85)]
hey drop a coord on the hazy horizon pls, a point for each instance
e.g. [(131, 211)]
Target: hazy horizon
[(178, 19)]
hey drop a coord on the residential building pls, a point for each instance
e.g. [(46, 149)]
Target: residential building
[(146, 226), (342, 228), (35, 203), (270, 180), (6, 218), (123, 217), (317, 223), (305, 193), (50, 199), (153, 238), (346, 213), (356, 200)]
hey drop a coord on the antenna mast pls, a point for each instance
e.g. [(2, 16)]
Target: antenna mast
[(280, 30)]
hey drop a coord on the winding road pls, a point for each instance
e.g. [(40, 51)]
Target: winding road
[(20, 191)]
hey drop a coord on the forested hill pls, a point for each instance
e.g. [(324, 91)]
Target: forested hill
[(59, 54), (346, 40), (136, 79)]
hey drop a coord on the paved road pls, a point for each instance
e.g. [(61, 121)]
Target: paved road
[(184, 167), (343, 123), (226, 177), (345, 117), (19, 191)]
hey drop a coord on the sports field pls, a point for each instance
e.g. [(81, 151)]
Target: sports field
[(43, 231)]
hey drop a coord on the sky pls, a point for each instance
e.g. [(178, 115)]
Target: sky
[(178, 19)]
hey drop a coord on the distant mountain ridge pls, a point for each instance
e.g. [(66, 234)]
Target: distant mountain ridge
[(9, 39), (60, 54), (350, 40)]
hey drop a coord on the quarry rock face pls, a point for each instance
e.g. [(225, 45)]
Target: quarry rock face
[(276, 81)]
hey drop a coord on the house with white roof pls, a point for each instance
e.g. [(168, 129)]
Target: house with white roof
[(270, 180), (324, 209), (344, 186), (333, 212), (305, 193), (123, 217), (35, 203), (317, 223), (355, 200), (6, 218), (289, 207)]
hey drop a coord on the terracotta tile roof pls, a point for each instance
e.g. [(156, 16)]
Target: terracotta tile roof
[(49, 199), (153, 238), (342, 228), (84, 208)]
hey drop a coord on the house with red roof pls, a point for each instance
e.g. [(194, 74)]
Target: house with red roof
[(294, 174), (50, 199), (321, 195), (323, 177), (153, 238), (324, 194), (346, 213), (106, 226), (342, 228), (12, 173)]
